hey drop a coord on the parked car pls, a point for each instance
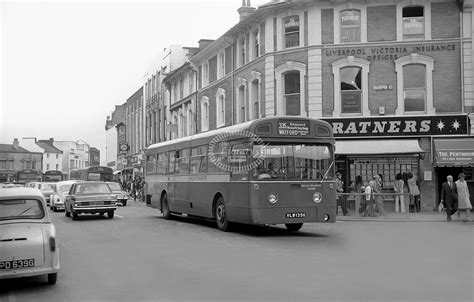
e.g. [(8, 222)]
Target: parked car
[(58, 197), (92, 197), (116, 188), (28, 244)]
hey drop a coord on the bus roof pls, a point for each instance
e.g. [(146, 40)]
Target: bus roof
[(247, 126)]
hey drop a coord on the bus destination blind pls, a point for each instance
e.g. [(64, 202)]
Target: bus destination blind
[(293, 128)]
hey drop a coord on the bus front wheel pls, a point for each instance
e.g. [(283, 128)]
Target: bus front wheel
[(165, 208), (293, 227), (221, 215)]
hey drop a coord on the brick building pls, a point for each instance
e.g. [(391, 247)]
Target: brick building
[(394, 78), (14, 158)]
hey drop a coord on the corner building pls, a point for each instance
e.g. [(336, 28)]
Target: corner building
[(394, 78)]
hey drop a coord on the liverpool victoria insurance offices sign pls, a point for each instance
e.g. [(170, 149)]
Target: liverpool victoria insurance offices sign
[(400, 126)]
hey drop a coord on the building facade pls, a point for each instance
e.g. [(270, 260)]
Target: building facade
[(75, 154), (394, 78), (52, 156), (111, 136), (94, 156), (14, 158), (134, 109)]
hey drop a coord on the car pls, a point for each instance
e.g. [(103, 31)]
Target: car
[(58, 197), (91, 197), (47, 188), (11, 185), (28, 245), (116, 188)]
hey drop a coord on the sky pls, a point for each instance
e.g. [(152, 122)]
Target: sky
[(66, 64)]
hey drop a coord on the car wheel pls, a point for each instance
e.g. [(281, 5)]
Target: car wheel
[(110, 214), (74, 216), (221, 215), (124, 203), (66, 212), (165, 208), (52, 278), (293, 227)]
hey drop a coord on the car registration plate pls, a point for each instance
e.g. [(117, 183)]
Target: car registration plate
[(296, 215), (13, 264)]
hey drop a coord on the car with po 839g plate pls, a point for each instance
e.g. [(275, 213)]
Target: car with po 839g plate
[(27, 236)]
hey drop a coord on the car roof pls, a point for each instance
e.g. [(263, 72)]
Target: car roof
[(7, 193), (66, 182), (92, 182)]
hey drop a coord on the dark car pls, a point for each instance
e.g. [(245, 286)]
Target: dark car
[(116, 188), (90, 197)]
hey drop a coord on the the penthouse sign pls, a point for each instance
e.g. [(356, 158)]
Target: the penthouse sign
[(400, 126)]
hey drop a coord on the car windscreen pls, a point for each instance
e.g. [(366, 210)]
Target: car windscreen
[(97, 188), (114, 186), (21, 209), (64, 188), (48, 187)]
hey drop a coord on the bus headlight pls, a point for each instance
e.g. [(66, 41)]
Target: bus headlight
[(317, 197), (272, 198)]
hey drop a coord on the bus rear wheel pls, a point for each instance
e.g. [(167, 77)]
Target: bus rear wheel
[(165, 208), (221, 215), (293, 227)]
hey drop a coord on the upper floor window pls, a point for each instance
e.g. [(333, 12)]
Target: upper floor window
[(292, 93), (351, 89), (241, 104), (255, 106), (292, 31), (221, 65), (181, 88), (57, 156), (205, 114), (256, 44), (175, 92), (242, 52), (413, 22), (414, 88), (350, 26), (47, 155)]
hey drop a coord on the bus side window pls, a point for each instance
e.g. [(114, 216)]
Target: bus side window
[(162, 165), (183, 162), (172, 161)]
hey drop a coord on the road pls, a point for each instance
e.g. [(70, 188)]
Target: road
[(139, 256)]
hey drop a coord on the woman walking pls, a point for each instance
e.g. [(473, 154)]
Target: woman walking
[(414, 191), (399, 198), (463, 197)]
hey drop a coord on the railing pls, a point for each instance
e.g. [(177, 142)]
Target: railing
[(357, 204)]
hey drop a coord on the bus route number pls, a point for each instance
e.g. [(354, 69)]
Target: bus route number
[(293, 128)]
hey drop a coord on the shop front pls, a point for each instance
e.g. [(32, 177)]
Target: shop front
[(137, 165), (390, 145)]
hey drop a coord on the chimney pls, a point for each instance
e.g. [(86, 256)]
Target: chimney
[(246, 9), (16, 144), (51, 141), (204, 42)]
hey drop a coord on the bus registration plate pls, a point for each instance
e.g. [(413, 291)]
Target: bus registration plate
[(296, 215)]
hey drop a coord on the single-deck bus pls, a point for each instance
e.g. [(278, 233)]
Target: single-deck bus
[(277, 170), (54, 176), (27, 175), (92, 173)]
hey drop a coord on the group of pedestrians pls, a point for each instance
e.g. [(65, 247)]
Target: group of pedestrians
[(455, 197), (135, 187)]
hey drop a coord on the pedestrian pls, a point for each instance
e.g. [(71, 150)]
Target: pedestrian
[(341, 200), (378, 185), (464, 203), (399, 197), (369, 199), (449, 196), (414, 191), (359, 209)]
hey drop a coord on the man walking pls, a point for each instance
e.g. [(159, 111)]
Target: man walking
[(341, 199), (449, 196)]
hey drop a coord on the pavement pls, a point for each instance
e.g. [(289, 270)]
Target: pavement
[(424, 216)]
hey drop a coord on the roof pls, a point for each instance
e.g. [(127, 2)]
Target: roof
[(47, 147), (8, 148), (20, 192), (171, 74)]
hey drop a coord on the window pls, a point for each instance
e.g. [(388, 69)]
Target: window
[(3, 164), (175, 92), (350, 26), (413, 22), (198, 160), (57, 167), (162, 164), (292, 93), (241, 108), (47, 155), (221, 68), (151, 163), (414, 87), (182, 162), (256, 44), (351, 90), (204, 113), (181, 89), (71, 164), (220, 103), (242, 52), (292, 31), (47, 166), (255, 99), (57, 156)]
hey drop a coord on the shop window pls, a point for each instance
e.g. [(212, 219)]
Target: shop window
[(350, 26), (351, 90), (292, 93), (220, 110), (415, 84), (413, 22), (292, 31)]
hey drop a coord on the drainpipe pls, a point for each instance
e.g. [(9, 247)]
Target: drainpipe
[(461, 18), (196, 100)]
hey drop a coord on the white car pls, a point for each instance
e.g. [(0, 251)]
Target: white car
[(28, 244), (61, 190)]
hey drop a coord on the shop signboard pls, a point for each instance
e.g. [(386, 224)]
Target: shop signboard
[(400, 126)]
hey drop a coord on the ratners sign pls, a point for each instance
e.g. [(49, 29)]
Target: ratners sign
[(400, 126)]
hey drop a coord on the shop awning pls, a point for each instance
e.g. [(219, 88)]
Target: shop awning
[(378, 146), (454, 152)]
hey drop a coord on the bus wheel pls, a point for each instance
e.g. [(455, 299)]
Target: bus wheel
[(165, 208), (293, 227), (221, 215)]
